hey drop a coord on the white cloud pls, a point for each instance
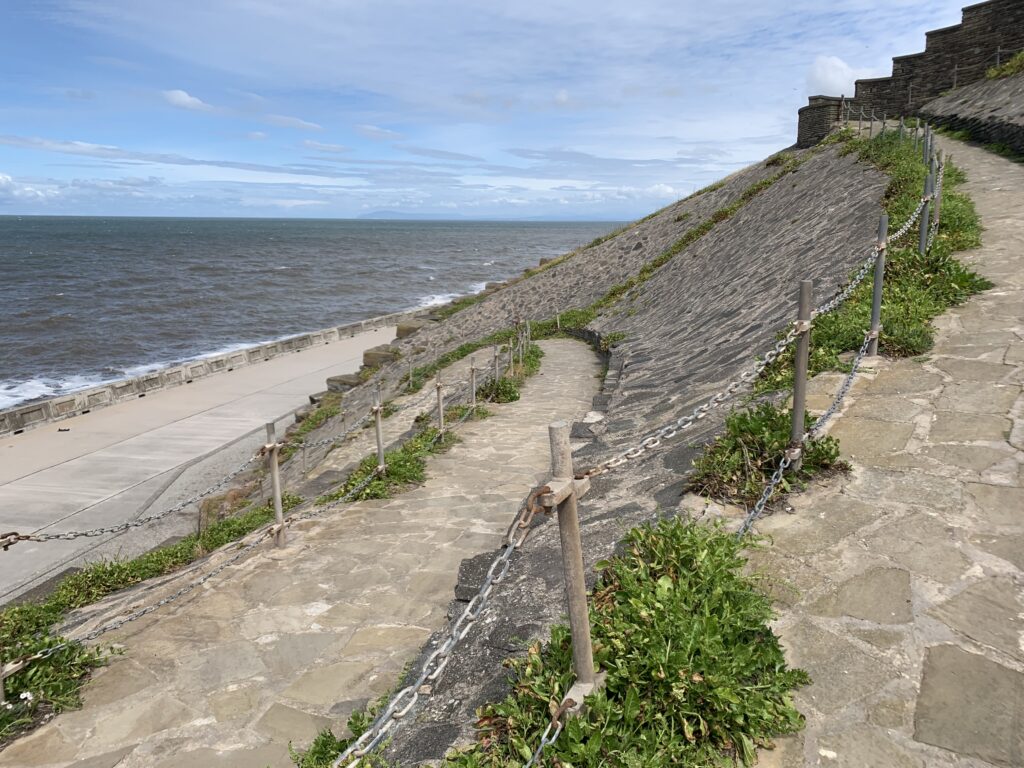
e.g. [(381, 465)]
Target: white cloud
[(256, 135), (831, 76), (185, 100), (378, 133), (287, 121), (319, 146)]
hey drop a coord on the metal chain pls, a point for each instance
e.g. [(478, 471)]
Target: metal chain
[(404, 701), (810, 434), (546, 740), (11, 538), (654, 439), (934, 228)]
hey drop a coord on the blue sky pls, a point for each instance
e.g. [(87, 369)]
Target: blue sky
[(573, 109)]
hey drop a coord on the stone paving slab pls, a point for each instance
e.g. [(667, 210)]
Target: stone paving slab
[(901, 586), (290, 641)]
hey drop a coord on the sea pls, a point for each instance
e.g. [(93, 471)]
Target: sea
[(87, 300)]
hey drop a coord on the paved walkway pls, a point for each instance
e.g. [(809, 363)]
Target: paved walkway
[(290, 641), (115, 463), (901, 587)]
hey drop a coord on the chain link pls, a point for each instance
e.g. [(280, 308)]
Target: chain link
[(810, 434)]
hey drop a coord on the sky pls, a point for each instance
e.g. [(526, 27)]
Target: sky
[(561, 109)]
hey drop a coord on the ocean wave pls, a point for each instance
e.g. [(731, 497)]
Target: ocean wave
[(13, 393)]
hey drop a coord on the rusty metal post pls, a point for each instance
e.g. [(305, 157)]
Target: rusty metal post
[(922, 234), (572, 558), (876, 296), (801, 355), (440, 403), (275, 479), (378, 422)]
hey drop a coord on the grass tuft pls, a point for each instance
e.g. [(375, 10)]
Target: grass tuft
[(695, 675), (736, 467), (1008, 68)]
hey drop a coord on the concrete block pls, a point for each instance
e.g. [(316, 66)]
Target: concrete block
[(379, 355), (343, 382)]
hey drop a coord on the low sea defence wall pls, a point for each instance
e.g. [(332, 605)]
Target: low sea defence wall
[(20, 418)]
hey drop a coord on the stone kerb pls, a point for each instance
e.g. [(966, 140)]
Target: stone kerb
[(20, 418)]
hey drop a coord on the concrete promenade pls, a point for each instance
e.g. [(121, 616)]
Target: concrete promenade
[(141, 456), (901, 587), (290, 641)]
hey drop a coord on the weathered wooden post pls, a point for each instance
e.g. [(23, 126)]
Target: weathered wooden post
[(440, 403), (273, 448), (497, 372), (801, 355), (884, 118), (876, 296), (564, 490), (871, 124), (901, 129), (472, 380), (922, 234), (378, 422)]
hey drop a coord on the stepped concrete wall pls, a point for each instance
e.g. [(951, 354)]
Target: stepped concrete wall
[(954, 56)]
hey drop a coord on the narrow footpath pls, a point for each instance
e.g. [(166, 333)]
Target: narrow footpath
[(290, 641), (901, 587), (118, 463)]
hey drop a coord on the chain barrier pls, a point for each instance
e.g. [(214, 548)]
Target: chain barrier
[(654, 439), (551, 733), (934, 228), (7, 539), (787, 460)]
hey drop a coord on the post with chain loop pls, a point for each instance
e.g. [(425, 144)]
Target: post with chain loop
[(497, 372), (801, 355), (940, 165), (565, 490), (922, 235), (876, 296), (440, 403), (926, 143), (273, 449), (378, 420), (472, 381)]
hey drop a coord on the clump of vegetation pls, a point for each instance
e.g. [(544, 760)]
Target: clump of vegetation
[(53, 684), (468, 412), (325, 747), (695, 675), (326, 409), (502, 390), (405, 465), (737, 465), (1008, 68), (917, 288)]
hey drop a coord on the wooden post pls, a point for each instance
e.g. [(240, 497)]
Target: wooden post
[(876, 296), (440, 403), (572, 558), (378, 420), (275, 479), (803, 347)]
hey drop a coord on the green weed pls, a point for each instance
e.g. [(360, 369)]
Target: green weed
[(695, 675), (738, 464)]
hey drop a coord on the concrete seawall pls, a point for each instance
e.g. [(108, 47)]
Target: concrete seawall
[(20, 418)]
